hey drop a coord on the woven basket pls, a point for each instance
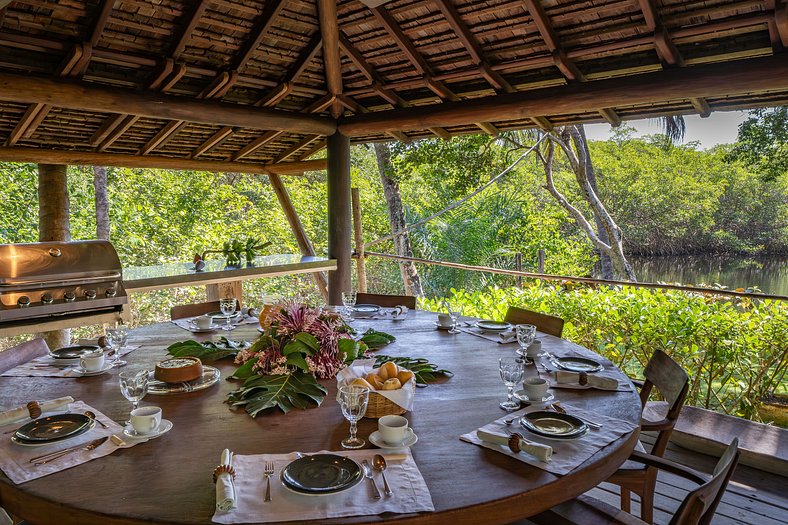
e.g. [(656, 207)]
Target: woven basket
[(380, 406)]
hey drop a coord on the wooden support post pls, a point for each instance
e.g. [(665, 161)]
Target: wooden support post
[(53, 224), (540, 261), (361, 263), (218, 291), (339, 223), (518, 265), (298, 229)]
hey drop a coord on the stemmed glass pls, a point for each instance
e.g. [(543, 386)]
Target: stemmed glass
[(117, 338), (512, 373), (454, 313), (227, 306), (353, 399), (525, 336), (134, 385), (349, 301)]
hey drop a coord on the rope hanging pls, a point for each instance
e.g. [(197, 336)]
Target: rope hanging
[(460, 202)]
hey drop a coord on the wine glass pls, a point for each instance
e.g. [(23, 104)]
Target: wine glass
[(512, 373), (227, 306), (454, 312), (349, 301), (117, 338), (525, 336), (353, 399), (134, 385)]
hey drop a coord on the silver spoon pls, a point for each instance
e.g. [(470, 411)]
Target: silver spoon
[(92, 416), (379, 464)]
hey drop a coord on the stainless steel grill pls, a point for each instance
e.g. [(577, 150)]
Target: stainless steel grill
[(59, 279)]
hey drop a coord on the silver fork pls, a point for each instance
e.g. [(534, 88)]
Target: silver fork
[(269, 471)]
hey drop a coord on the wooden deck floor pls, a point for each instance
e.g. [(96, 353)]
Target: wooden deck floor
[(753, 497)]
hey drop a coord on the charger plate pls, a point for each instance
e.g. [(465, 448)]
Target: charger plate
[(493, 326), (554, 425), (210, 376), (52, 429), (321, 474), (72, 352), (365, 310), (577, 364)]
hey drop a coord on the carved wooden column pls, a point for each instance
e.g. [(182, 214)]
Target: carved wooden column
[(53, 223), (340, 228)]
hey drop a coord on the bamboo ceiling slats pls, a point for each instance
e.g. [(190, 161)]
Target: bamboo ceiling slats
[(407, 54)]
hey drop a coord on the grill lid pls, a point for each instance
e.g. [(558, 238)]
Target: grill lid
[(57, 263)]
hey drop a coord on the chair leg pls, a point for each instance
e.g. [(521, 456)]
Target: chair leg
[(626, 499), (647, 496)]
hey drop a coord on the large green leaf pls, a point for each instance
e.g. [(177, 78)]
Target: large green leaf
[(245, 371), (207, 351), (303, 343), (297, 390), (424, 371), (349, 348), (375, 339)]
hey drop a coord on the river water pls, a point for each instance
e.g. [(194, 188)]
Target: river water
[(770, 273)]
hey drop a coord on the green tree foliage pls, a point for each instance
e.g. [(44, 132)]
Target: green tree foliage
[(762, 142)]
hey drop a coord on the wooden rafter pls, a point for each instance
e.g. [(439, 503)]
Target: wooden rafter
[(215, 140), (611, 116), (261, 29), (191, 18), (304, 142), (701, 106), (319, 145), (546, 31), (256, 144), (329, 29), (101, 21), (781, 21)]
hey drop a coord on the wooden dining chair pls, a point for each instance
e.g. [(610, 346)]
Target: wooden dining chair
[(672, 382), (387, 301), (544, 323), (697, 508), (16, 355), (193, 310)]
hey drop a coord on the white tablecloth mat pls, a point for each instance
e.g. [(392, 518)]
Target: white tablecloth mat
[(492, 337), (15, 459), (185, 323), (410, 492), (37, 367), (567, 455), (624, 383)]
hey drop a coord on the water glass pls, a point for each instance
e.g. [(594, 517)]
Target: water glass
[(353, 399), (512, 373), (454, 312), (227, 306), (526, 333), (349, 301), (134, 385), (117, 338)]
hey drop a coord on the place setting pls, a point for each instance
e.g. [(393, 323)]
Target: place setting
[(227, 318)]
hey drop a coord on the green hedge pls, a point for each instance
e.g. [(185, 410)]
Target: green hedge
[(736, 353)]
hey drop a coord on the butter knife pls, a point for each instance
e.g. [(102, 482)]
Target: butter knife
[(368, 475), (46, 458)]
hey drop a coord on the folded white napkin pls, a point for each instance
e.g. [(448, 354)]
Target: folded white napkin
[(541, 452), (18, 413), (225, 490), (508, 336), (592, 380)]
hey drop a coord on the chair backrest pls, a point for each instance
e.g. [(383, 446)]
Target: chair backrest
[(386, 300), (672, 382), (15, 356), (699, 506), (543, 322), (193, 310)]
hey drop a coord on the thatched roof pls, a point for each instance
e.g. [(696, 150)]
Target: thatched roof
[(412, 68)]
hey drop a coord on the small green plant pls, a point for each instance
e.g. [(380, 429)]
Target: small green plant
[(234, 250)]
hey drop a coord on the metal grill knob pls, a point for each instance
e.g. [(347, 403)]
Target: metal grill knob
[(23, 301), (47, 298), (69, 297), (90, 294), (110, 292)]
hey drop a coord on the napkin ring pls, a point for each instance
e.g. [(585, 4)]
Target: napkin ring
[(514, 442), (34, 409), (223, 469), (582, 378)]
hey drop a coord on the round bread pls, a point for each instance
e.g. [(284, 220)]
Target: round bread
[(404, 376), (360, 381), (392, 384), (388, 370), (178, 369)]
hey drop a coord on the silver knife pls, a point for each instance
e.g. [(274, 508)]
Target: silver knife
[(368, 475)]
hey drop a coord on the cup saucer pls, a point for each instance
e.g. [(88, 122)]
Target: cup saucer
[(197, 330), (442, 327), (164, 427), (523, 396), (85, 373), (376, 439)]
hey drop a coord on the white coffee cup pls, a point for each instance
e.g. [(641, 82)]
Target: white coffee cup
[(535, 349), (393, 429), (91, 362), (535, 388), (203, 322), (145, 419), (444, 321)]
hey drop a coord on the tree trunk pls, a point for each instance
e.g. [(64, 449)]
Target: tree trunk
[(402, 247), (53, 223), (102, 202)]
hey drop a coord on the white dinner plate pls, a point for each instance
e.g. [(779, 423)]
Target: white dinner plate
[(164, 427), (376, 439), (488, 325)]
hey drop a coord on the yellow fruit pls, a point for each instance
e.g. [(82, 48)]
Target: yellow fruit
[(392, 384), (375, 380), (388, 370), (360, 381), (404, 376)]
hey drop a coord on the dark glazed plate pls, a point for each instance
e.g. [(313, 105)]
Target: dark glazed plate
[(73, 352), (321, 474), (493, 326), (578, 364), (54, 428), (554, 425)]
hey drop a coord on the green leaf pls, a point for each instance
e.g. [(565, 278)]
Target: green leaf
[(375, 339), (424, 371), (303, 343), (297, 390), (245, 370), (349, 348), (207, 351), (297, 359)]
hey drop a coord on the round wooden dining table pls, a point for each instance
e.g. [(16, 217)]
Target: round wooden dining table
[(168, 480)]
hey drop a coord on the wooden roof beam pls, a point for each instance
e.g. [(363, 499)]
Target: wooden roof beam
[(403, 42), (757, 75), (667, 51), (701, 106), (295, 147), (101, 21), (611, 116), (103, 99), (543, 123), (329, 29), (89, 158), (781, 21), (256, 144), (214, 140), (191, 18), (311, 151), (548, 34), (260, 30)]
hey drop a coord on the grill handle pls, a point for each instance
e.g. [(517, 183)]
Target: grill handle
[(61, 282)]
